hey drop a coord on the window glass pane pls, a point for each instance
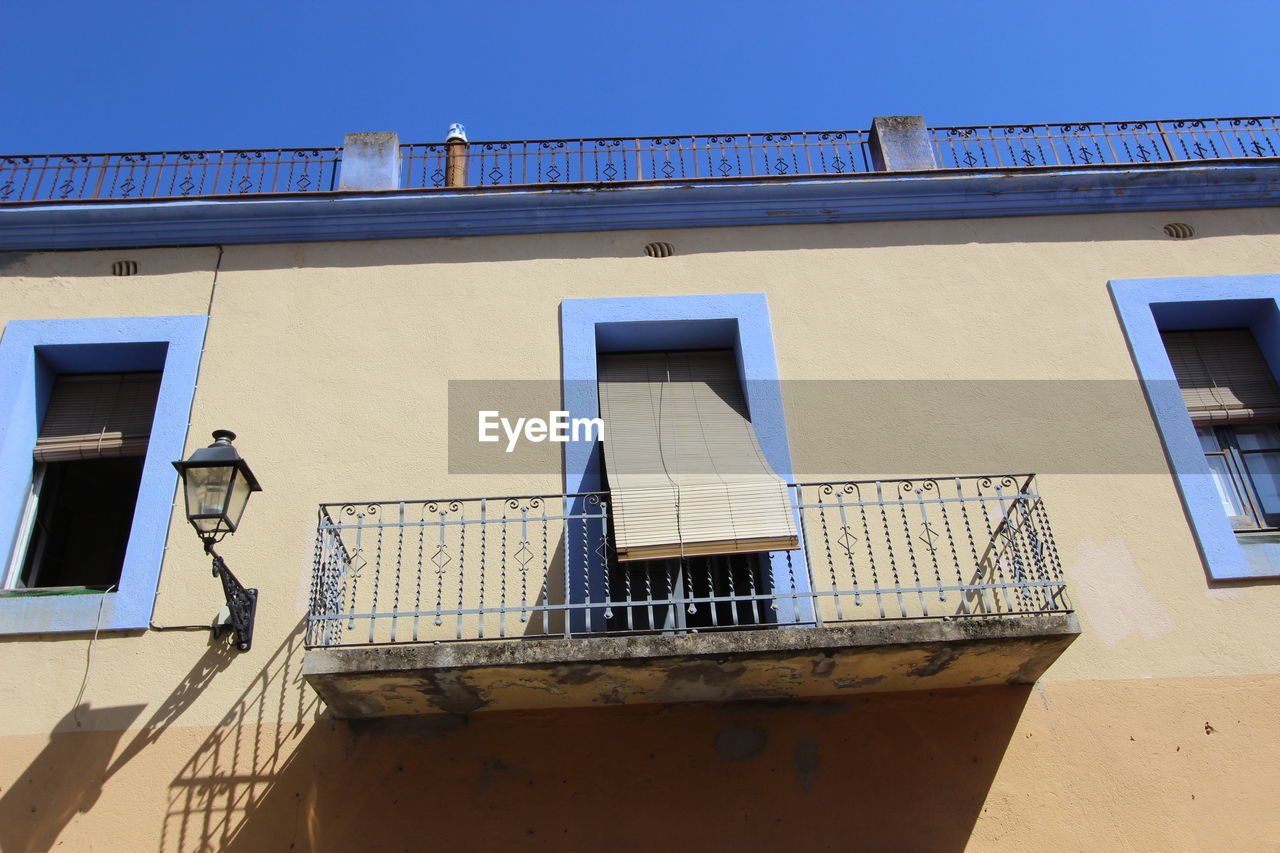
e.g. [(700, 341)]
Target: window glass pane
[(1208, 441), (82, 526), (1231, 503), (1264, 470), (1258, 437)]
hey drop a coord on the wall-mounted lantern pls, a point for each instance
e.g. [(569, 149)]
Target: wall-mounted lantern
[(217, 484)]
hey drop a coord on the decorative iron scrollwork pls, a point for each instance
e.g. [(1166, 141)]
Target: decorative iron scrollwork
[(363, 509), (242, 603), (914, 487)]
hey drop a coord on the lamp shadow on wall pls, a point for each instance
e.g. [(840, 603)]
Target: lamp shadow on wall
[(67, 777)]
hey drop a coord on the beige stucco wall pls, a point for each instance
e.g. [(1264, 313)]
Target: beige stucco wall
[(1146, 765), (331, 362)]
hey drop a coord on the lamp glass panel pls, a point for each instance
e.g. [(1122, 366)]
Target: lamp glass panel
[(238, 498), (208, 525), (207, 490)]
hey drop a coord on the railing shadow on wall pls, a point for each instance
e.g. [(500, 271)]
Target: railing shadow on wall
[(219, 787), (907, 770), (902, 771)]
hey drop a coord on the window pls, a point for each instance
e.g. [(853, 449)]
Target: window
[(685, 470), (64, 514), (1222, 455), (1234, 402), (88, 460), (742, 581), (693, 500), (1244, 462), (738, 324)]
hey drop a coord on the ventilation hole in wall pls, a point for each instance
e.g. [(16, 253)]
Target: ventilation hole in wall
[(659, 250), (124, 268), (1179, 230)]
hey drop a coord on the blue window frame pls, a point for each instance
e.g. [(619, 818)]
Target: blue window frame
[(1147, 307), (737, 321), (32, 354)]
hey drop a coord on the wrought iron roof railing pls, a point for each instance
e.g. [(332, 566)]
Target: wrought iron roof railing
[(621, 160), (543, 566), (167, 174), (655, 158), (1105, 143)]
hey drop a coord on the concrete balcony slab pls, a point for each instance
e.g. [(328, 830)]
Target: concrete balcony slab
[(762, 664)]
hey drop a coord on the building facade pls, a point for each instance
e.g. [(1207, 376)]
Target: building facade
[(1019, 594)]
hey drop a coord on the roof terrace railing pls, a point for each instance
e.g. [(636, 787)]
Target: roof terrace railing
[(167, 174), (1105, 143), (655, 158), (457, 164)]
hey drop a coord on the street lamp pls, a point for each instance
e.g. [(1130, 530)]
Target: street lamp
[(217, 484)]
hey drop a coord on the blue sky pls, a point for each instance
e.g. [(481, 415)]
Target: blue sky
[(139, 76)]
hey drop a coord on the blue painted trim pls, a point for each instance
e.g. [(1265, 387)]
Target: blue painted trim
[(589, 327), (858, 198), (1145, 306), (32, 353)]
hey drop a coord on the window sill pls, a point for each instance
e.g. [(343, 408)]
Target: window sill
[(40, 592), (1261, 552)]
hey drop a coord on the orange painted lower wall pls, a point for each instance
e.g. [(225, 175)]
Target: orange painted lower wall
[(1174, 764)]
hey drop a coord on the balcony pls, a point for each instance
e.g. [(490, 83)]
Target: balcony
[(452, 606)]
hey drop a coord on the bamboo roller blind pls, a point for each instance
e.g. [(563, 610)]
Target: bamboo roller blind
[(685, 469), (1223, 376), (98, 415)]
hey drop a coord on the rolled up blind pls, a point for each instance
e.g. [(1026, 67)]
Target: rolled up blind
[(685, 470), (1223, 376), (98, 415)]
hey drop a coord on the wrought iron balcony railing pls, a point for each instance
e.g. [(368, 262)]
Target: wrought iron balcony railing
[(619, 160), (543, 566)]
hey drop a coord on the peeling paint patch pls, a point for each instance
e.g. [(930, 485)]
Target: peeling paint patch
[(12, 259), (855, 683), (701, 681), (1113, 599), (490, 767), (937, 662), (451, 694), (527, 685), (740, 742), (578, 673), (806, 760), (824, 665), (1044, 694), (790, 673)]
